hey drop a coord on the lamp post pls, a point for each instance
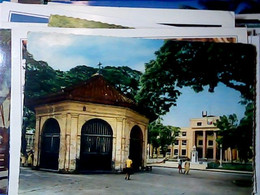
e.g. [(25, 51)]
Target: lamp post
[(220, 161)]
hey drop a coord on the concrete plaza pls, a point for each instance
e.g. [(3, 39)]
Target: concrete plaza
[(159, 181)]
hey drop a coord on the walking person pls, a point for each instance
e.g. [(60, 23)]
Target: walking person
[(128, 169), (180, 165), (30, 158), (186, 167)]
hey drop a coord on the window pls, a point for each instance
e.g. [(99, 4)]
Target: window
[(183, 152), (209, 153), (183, 133), (176, 142), (210, 142), (200, 142), (176, 152), (199, 123), (184, 142)]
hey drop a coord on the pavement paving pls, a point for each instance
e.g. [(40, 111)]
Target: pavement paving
[(159, 181), (3, 181)]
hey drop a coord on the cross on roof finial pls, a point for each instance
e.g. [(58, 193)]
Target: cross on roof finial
[(99, 67)]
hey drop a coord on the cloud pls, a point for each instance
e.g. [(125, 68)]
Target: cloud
[(68, 51), (51, 39)]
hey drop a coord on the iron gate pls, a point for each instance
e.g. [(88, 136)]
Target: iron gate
[(50, 146), (96, 145)]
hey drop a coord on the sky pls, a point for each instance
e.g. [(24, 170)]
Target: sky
[(64, 52)]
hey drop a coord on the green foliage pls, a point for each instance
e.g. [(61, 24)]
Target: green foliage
[(162, 136), (235, 135), (123, 78), (227, 131), (231, 166), (28, 124), (41, 79), (196, 65), (245, 132)]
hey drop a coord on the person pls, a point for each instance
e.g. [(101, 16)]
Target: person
[(128, 169), (23, 159), (30, 158), (186, 167), (180, 165)]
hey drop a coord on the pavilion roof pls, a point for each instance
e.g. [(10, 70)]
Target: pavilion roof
[(94, 90)]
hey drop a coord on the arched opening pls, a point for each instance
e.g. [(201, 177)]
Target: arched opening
[(96, 145), (50, 145), (136, 147)]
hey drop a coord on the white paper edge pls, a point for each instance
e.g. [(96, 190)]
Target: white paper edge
[(19, 32)]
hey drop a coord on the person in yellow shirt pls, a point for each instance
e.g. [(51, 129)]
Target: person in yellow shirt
[(128, 169)]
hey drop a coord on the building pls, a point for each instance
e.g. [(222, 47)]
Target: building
[(201, 133), (90, 126), (29, 137)]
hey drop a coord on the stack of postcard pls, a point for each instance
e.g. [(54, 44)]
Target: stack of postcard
[(174, 64)]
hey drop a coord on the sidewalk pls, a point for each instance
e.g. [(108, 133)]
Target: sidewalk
[(174, 165)]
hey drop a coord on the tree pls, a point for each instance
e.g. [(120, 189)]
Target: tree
[(227, 134), (162, 136), (196, 65), (41, 79), (237, 136), (153, 134), (245, 134)]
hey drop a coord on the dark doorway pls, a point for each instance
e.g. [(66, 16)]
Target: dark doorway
[(136, 147), (50, 146), (200, 152), (209, 153), (96, 145)]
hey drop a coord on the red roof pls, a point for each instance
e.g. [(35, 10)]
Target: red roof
[(94, 90)]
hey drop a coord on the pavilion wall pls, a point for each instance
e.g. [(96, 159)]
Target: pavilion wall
[(71, 116)]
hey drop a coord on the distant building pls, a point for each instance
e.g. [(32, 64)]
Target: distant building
[(29, 136), (201, 133)]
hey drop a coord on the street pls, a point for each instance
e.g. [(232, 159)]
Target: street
[(159, 181)]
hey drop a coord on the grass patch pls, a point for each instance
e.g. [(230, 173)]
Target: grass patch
[(231, 166)]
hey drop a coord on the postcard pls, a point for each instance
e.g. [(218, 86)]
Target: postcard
[(5, 96), (168, 17), (81, 92), (179, 30), (26, 13)]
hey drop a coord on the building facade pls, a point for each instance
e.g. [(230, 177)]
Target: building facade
[(91, 126), (201, 133)]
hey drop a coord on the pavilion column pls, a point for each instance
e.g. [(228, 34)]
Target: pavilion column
[(67, 142), (204, 144), (118, 155), (214, 146), (62, 150), (37, 141), (73, 142)]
